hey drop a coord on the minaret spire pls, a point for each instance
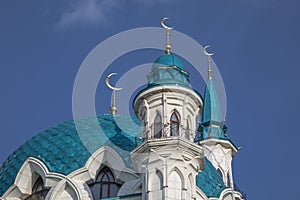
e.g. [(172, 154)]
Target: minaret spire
[(209, 71), (167, 46), (113, 108)]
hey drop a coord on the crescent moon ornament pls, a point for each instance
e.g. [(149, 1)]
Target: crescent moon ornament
[(164, 25), (205, 52), (108, 83)]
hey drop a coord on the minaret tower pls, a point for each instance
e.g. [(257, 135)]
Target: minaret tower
[(217, 147), (168, 109)]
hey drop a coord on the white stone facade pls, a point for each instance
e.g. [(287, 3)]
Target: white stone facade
[(164, 101), (220, 153), (169, 173)]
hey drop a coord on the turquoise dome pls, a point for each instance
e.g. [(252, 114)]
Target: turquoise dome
[(168, 60), (61, 149), (168, 70)]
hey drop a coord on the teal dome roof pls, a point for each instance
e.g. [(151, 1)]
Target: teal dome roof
[(168, 60), (168, 70), (61, 149)]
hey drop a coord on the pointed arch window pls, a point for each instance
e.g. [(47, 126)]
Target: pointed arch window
[(175, 186), (157, 186), (39, 191), (174, 124), (157, 126), (105, 185)]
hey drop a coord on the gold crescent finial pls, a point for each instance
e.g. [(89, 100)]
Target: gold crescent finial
[(209, 71), (205, 52), (164, 25), (113, 108), (108, 83), (168, 28)]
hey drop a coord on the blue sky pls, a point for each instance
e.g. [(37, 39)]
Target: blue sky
[(43, 44)]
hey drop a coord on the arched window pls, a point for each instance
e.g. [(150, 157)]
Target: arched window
[(157, 186), (105, 185), (175, 186), (174, 125), (158, 126), (39, 191)]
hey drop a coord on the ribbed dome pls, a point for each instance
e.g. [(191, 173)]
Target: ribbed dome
[(62, 151), (167, 60), (168, 70)]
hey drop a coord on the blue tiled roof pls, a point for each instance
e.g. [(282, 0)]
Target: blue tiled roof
[(62, 150), (210, 181)]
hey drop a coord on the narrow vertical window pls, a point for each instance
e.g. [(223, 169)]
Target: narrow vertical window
[(174, 125), (221, 174), (228, 180), (157, 126)]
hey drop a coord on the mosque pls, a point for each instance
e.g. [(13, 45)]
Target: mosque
[(174, 157)]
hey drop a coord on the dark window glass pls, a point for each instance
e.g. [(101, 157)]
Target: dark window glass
[(174, 125), (105, 185), (228, 180), (39, 191), (157, 126), (219, 171)]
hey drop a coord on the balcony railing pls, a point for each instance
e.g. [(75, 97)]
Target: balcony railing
[(166, 132)]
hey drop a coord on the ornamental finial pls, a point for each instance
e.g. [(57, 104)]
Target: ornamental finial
[(208, 61), (167, 46), (113, 108)]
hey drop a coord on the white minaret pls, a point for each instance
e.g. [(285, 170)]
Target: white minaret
[(168, 109)]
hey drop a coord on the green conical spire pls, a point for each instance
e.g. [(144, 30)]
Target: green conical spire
[(211, 110), (212, 125)]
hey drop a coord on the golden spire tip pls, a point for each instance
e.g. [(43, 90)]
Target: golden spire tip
[(167, 46)]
